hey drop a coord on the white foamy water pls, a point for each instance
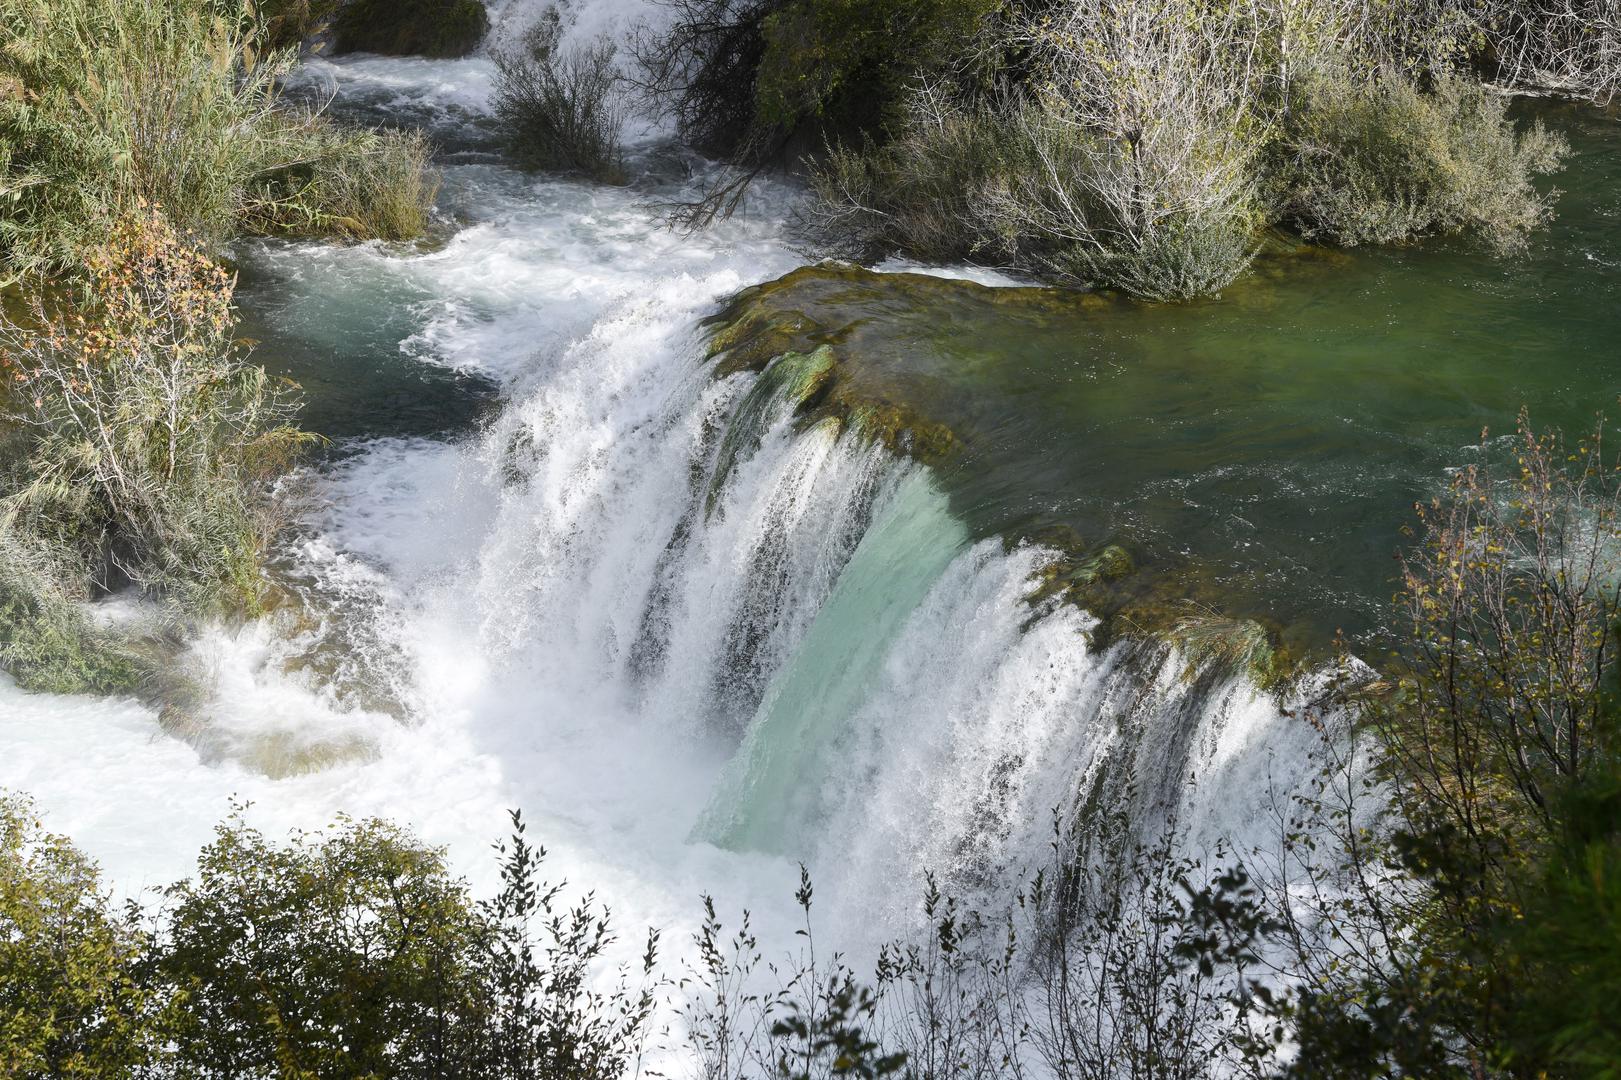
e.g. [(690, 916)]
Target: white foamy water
[(688, 676)]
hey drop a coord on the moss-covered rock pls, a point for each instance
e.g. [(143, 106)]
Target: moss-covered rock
[(433, 28), (763, 327), (822, 336)]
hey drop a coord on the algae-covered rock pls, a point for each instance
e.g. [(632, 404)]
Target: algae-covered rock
[(791, 382), (763, 329), (432, 28)]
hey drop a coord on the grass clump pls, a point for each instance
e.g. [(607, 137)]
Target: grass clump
[(432, 28), (561, 110), (1382, 161), (320, 179), (47, 643), (148, 440), (107, 106)]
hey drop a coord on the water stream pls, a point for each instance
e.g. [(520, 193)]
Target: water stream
[(551, 561)]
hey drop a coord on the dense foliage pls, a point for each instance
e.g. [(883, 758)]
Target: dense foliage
[(144, 446), (1145, 145), (107, 106)]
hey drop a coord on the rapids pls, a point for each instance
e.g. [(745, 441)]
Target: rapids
[(550, 561)]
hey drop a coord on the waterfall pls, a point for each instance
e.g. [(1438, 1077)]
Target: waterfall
[(696, 633)]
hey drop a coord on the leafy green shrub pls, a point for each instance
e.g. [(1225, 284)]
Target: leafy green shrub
[(150, 440), (1381, 160), (561, 111), (72, 1002), (338, 955), (109, 106), (433, 28)]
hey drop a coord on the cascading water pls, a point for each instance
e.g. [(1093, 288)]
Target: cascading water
[(693, 634)]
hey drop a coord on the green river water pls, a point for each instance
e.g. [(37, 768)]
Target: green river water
[(1267, 445)]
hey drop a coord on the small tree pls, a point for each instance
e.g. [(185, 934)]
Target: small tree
[(344, 954), (538, 960)]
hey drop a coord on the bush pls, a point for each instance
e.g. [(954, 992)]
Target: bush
[(108, 106), (346, 954), (150, 440), (1567, 46), (1145, 145), (1167, 212), (561, 111), (1382, 161), (921, 193), (433, 28), (71, 1000)]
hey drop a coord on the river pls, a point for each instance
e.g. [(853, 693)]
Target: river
[(551, 561)]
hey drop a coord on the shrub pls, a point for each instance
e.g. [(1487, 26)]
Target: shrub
[(149, 439), (561, 111), (433, 28), (922, 193), (1144, 144), (344, 954), (1130, 161), (1568, 46), (540, 960), (72, 1002), (1381, 161), (107, 106), (756, 81)]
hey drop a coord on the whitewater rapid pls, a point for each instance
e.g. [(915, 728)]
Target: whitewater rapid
[(689, 677)]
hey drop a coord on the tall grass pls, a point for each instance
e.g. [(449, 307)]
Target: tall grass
[(110, 105)]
